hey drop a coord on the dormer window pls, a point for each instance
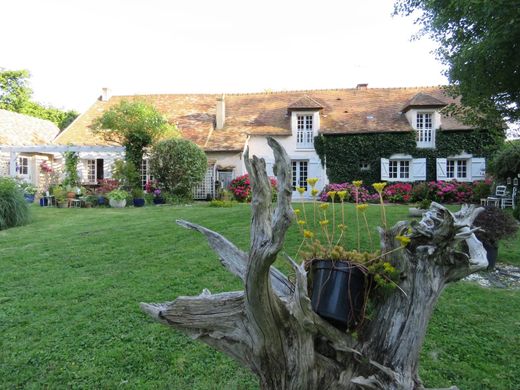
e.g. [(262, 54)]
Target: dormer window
[(304, 131), (424, 128)]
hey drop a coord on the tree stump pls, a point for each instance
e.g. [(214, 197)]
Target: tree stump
[(270, 326)]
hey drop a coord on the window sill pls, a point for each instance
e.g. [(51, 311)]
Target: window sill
[(300, 149)]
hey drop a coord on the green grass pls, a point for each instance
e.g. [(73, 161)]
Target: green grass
[(71, 282)]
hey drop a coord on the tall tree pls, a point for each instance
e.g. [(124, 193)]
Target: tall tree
[(135, 125), (15, 95), (479, 41)]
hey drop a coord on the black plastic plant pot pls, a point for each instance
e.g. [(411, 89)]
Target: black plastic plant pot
[(138, 202), (492, 254), (338, 292)]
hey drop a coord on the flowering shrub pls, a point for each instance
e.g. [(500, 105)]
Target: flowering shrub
[(450, 191), (398, 193), (240, 187), (45, 167), (107, 185), (152, 187), (364, 195)]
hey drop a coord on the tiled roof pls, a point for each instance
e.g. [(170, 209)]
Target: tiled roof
[(423, 100), (24, 130), (305, 102), (344, 111)]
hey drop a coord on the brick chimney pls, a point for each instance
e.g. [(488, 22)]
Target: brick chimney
[(106, 94), (221, 112), (362, 86)]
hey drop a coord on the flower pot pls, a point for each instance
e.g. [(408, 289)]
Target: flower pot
[(492, 254), (158, 201), (61, 204), (138, 202), (29, 198), (71, 194), (117, 204), (338, 292), (44, 202), (100, 200)]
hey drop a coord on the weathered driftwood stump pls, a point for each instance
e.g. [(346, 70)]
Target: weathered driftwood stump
[(270, 326)]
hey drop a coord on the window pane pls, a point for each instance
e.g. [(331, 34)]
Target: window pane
[(450, 168)]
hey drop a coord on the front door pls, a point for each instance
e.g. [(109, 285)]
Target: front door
[(300, 169)]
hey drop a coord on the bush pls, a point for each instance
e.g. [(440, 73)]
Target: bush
[(14, 210), (178, 165), (450, 191), (398, 193), (221, 203), (481, 190), (127, 175), (495, 224), (506, 163), (364, 196), (420, 192), (240, 187)]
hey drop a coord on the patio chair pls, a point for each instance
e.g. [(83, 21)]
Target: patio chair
[(509, 201), (496, 200)]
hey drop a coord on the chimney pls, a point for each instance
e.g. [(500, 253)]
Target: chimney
[(221, 112), (362, 86), (106, 94)]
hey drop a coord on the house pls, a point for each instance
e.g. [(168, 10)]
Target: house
[(392, 134)]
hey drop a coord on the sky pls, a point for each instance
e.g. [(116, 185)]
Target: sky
[(73, 48)]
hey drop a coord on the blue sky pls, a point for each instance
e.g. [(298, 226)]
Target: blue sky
[(73, 48)]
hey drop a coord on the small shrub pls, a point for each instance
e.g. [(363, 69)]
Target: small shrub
[(481, 190), (450, 191), (14, 210), (398, 193), (495, 225), (420, 191), (240, 187), (364, 196), (107, 185), (221, 203)]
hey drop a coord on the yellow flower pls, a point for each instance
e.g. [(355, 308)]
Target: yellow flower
[(324, 206), (297, 211), (342, 194), (379, 186), (332, 194), (314, 192), (342, 226), (324, 222), (301, 190), (301, 222), (362, 207), (388, 267), (357, 183), (308, 234), (403, 240), (312, 181)]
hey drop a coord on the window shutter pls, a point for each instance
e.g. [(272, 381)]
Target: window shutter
[(441, 169), (478, 168), (418, 169), (269, 168), (384, 169)]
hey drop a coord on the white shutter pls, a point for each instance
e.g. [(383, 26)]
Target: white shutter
[(478, 168), (269, 168), (385, 175), (418, 169), (441, 169)]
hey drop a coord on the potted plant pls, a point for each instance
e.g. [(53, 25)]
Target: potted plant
[(152, 188), (60, 194), (495, 225), (138, 195), (29, 191), (117, 198), (341, 279)]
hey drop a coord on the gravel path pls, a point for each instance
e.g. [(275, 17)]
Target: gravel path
[(503, 276)]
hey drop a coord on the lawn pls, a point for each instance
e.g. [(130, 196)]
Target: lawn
[(71, 282)]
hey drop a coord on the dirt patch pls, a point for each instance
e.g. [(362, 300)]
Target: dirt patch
[(503, 276)]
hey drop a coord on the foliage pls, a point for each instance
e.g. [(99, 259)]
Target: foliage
[(152, 188), (15, 95), (478, 43), (27, 188), (221, 203), (450, 191), (344, 153), (60, 193), (178, 165), (137, 193), (107, 185), (71, 169), (135, 125), (240, 188), (495, 225), (118, 194), (126, 173), (398, 192), (14, 210), (420, 191), (363, 193), (481, 190), (506, 162)]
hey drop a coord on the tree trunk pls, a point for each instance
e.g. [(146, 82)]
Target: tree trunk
[(270, 326)]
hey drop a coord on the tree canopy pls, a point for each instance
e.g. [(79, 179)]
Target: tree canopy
[(135, 125), (15, 95), (479, 41)]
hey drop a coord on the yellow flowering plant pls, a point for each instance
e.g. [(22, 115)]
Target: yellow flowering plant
[(324, 238)]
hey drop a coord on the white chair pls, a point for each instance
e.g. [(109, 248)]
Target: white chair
[(496, 200), (509, 201)]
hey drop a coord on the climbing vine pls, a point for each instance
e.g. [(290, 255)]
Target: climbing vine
[(358, 156)]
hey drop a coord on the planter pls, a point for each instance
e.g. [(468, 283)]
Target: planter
[(29, 198), (492, 254), (61, 204), (158, 201), (71, 194), (44, 202), (117, 204), (338, 292), (100, 200), (138, 202)]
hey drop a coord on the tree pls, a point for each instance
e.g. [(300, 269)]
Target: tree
[(480, 44), (506, 162), (271, 328), (135, 125), (15, 95), (178, 165)]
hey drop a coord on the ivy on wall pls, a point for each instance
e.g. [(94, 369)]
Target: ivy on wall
[(347, 156)]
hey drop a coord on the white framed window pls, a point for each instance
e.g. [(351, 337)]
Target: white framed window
[(304, 131), (23, 165), (145, 172), (424, 127), (457, 169), (91, 171), (399, 169), (300, 171), (364, 166)]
